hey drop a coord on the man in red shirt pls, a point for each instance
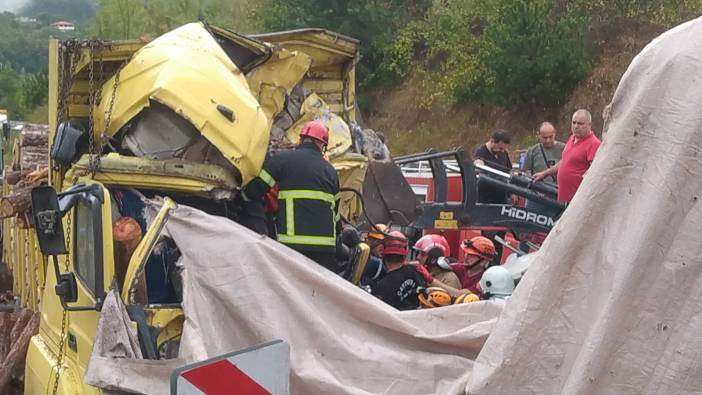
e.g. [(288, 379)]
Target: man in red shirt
[(578, 154)]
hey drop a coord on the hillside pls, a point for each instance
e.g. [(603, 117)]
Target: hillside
[(410, 126)]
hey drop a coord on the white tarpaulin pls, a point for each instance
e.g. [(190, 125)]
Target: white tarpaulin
[(242, 289), (613, 302)]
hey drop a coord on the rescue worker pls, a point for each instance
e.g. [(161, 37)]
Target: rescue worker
[(307, 218), (399, 286), (496, 283), (479, 251), (434, 252), (375, 237), (374, 268)]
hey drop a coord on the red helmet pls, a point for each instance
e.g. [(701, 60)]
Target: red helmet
[(479, 246), (395, 243), (430, 242), (315, 130)]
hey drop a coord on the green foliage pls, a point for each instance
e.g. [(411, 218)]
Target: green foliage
[(507, 52), (129, 19), (375, 23), (533, 56), (666, 13), (22, 92), (24, 45), (49, 11)]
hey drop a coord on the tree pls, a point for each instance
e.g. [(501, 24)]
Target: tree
[(120, 19), (373, 22), (71, 10), (533, 55)]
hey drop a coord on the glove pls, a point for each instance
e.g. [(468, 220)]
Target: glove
[(422, 270), (271, 199)]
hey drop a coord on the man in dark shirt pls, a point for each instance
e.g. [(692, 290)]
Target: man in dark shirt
[(494, 154), (398, 287)]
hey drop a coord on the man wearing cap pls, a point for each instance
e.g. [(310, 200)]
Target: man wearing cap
[(307, 217)]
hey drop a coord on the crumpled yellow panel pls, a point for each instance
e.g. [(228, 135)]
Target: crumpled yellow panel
[(189, 72), (272, 81), (316, 109), (351, 169)]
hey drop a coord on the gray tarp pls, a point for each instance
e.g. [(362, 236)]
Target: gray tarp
[(242, 289), (613, 304)]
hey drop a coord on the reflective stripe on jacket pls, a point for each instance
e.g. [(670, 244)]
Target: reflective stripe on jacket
[(307, 215)]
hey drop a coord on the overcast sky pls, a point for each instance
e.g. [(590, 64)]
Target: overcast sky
[(12, 5)]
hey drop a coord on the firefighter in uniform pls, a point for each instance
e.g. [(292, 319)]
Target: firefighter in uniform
[(307, 219)]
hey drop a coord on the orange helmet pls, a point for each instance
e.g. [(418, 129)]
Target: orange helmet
[(395, 243), (466, 298), (377, 232), (479, 246), (433, 297), (315, 130)]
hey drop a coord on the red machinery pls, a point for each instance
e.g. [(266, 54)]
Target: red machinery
[(437, 193)]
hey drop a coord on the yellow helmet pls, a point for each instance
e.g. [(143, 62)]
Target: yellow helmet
[(466, 298), (433, 297)]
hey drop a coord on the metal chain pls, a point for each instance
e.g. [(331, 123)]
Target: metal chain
[(91, 104), (96, 99), (108, 116), (64, 316), (68, 53), (11, 249), (66, 84), (59, 361), (25, 269), (40, 285)]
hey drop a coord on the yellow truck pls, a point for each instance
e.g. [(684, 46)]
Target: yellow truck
[(188, 117)]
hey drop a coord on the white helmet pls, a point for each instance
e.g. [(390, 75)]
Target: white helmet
[(497, 282)]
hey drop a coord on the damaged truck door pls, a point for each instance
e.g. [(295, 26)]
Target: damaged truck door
[(75, 224), (74, 229)]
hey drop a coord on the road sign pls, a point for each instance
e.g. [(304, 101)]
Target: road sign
[(259, 370)]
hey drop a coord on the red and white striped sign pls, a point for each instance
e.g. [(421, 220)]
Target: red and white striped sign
[(258, 370)]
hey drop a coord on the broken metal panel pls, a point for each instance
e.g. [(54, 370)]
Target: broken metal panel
[(314, 108), (351, 168), (168, 175), (245, 52), (187, 71), (332, 73), (159, 133), (273, 81)]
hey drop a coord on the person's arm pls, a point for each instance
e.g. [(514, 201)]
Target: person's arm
[(337, 203), (528, 162), (478, 158), (454, 292), (551, 171), (265, 180)]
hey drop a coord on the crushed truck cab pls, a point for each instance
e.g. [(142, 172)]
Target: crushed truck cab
[(186, 118)]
